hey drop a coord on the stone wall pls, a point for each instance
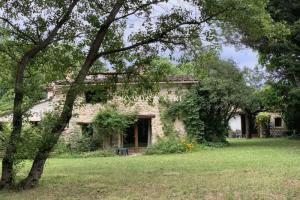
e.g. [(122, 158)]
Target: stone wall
[(84, 112), (277, 131)]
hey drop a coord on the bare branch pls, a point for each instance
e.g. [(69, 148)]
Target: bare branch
[(59, 24), (154, 39), (99, 6), (68, 37), (158, 36), (143, 6), (18, 32)]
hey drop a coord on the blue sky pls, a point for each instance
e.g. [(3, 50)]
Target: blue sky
[(242, 56)]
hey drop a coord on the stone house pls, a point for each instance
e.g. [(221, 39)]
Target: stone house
[(144, 132), (149, 126)]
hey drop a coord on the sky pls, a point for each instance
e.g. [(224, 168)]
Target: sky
[(244, 57)]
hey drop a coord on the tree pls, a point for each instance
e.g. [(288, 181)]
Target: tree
[(208, 107), (281, 57), (292, 113), (38, 32), (104, 24)]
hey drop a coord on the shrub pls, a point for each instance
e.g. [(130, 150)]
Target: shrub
[(87, 143), (84, 147), (91, 154), (61, 148), (28, 143), (171, 144)]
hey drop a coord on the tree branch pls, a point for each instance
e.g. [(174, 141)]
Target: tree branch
[(158, 36), (138, 9), (59, 24), (18, 32)]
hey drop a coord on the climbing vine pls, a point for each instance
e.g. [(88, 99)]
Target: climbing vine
[(262, 121), (111, 121), (205, 112), (187, 112)]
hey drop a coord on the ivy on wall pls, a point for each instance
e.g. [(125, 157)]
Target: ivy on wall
[(187, 112), (205, 113)]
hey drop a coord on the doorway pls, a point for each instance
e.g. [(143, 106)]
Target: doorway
[(138, 134)]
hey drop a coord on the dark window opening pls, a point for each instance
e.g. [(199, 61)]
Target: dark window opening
[(87, 130), (278, 122), (1, 127), (34, 123), (98, 95)]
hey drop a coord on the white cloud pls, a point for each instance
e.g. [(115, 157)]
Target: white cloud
[(244, 57)]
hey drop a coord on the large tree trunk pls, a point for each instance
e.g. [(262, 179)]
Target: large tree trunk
[(36, 171), (37, 168), (7, 172), (7, 178)]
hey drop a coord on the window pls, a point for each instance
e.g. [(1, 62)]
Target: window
[(87, 129), (1, 127), (90, 97), (278, 122), (34, 123), (98, 95)]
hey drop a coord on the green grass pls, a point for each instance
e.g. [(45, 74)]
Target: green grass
[(247, 169)]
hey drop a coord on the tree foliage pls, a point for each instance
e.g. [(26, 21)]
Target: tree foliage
[(292, 113), (207, 107), (281, 57)]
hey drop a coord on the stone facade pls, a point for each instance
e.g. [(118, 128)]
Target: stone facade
[(278, 127), (84, 112)]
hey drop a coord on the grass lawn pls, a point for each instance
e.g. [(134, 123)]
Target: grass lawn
[(247, 169)]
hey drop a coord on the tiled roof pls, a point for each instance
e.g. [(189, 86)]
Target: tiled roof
[(180, 78), (96, 78)]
